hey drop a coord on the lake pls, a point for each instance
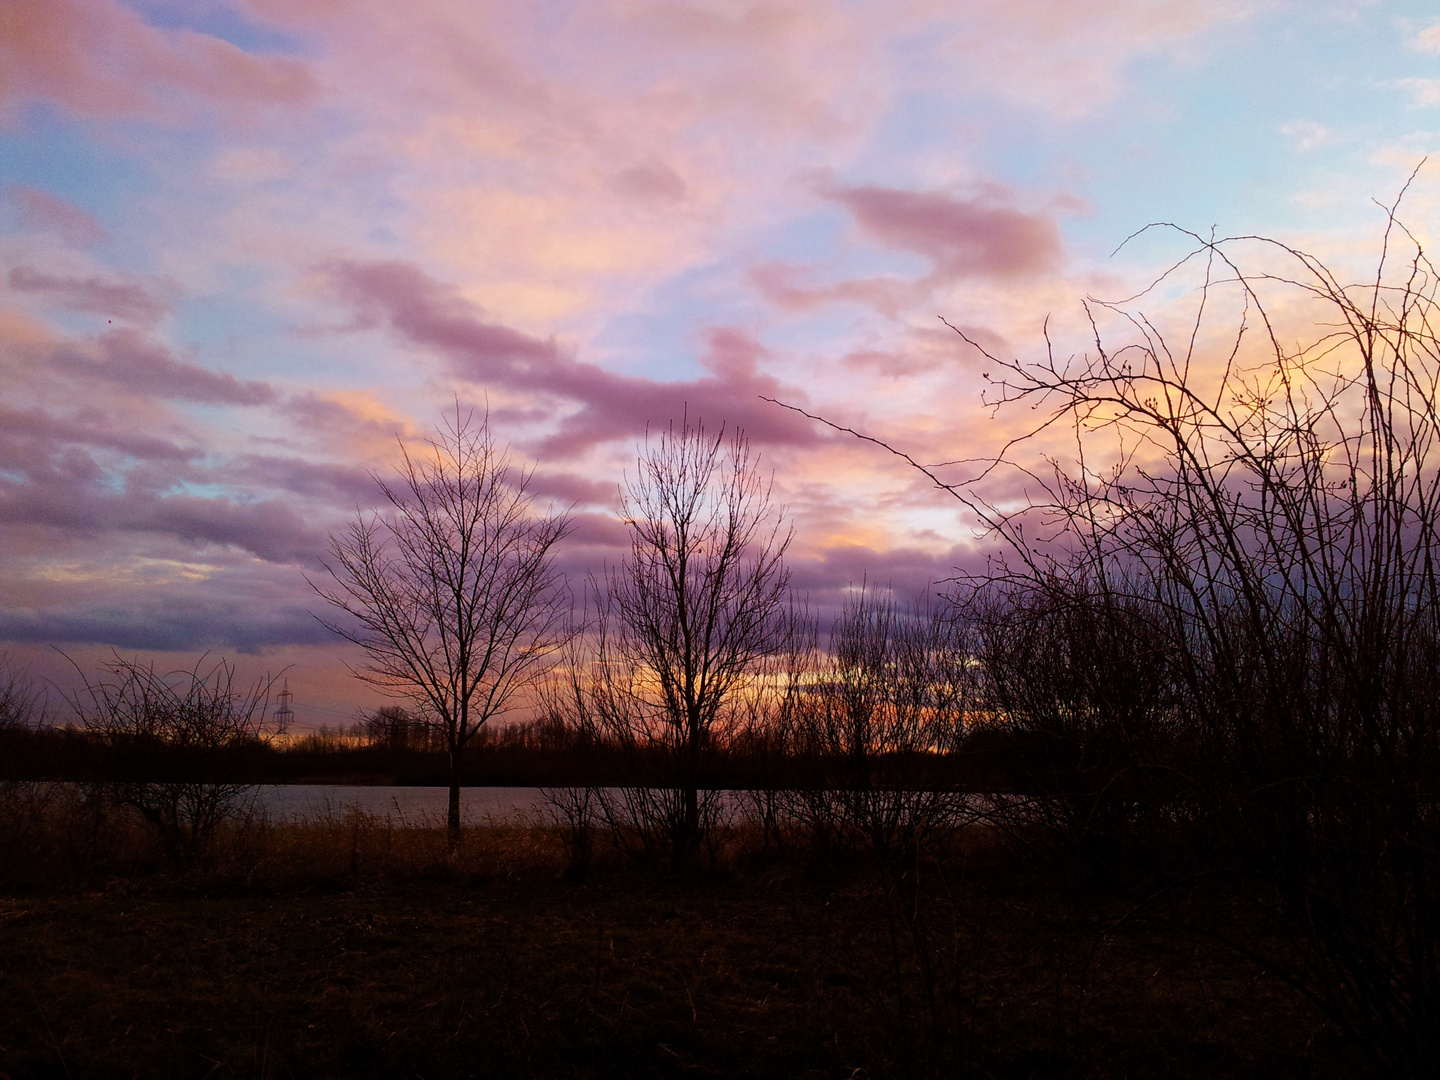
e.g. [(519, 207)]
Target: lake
[(404, 805), (423, 806)]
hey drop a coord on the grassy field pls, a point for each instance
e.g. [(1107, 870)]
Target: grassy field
[(341, 949)]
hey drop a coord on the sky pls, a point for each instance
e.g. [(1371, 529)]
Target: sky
[(245, 245)]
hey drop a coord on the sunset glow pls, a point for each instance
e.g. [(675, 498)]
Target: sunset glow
[(245, 244)]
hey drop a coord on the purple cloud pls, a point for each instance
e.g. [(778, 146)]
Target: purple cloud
[(137, 363), (42, 211), (176, 623), (407, 300), (54, 473), (961, 237), (78, 503), (650, 182), (402, 298), (566, 488), (270, 530), (827, 577), (341, 486), (30, 437), (122, 300), (100, 58)]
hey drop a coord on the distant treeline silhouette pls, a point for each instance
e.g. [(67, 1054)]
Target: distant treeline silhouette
[(390, 747)]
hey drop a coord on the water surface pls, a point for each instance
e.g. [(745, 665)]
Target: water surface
[(405, 806)]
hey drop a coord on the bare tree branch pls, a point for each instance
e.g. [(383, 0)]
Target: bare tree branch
[(452, 593), (689, 624)]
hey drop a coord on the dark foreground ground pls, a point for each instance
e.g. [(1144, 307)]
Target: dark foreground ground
[(328, 965)]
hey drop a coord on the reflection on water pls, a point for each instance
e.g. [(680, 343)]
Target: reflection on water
[(404, 805)]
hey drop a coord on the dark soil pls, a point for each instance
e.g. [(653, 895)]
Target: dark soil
[(763, 971)]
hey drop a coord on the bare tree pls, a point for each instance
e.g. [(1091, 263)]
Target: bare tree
[(394, 730), (171, 737), (21, 700), (689, 623), (453, 594), (1272, 520), (24, 799), (1234, 586), (883, 714)]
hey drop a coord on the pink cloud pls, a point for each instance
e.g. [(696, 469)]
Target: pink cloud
[(340, 486), (962, 238), (409, 301), (611, 406), (696, 112), (790, 287), (31, 436), (604, 531), (921, 351), (75, 503), (130, 359), (428, 54), (55, 472), (894, 363), (650, 182), (732, 354), (269, 529), (121, 299), (572, 488), (99, 58), (826, 577), (340, 424), (44, 212)]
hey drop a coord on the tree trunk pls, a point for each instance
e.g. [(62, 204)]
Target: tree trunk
[(452, 817), (690, 837), (692, 816)]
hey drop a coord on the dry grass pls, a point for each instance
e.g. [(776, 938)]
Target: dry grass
[(348, 946)]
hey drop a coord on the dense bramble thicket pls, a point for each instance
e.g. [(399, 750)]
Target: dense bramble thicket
[(1236, 636)]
